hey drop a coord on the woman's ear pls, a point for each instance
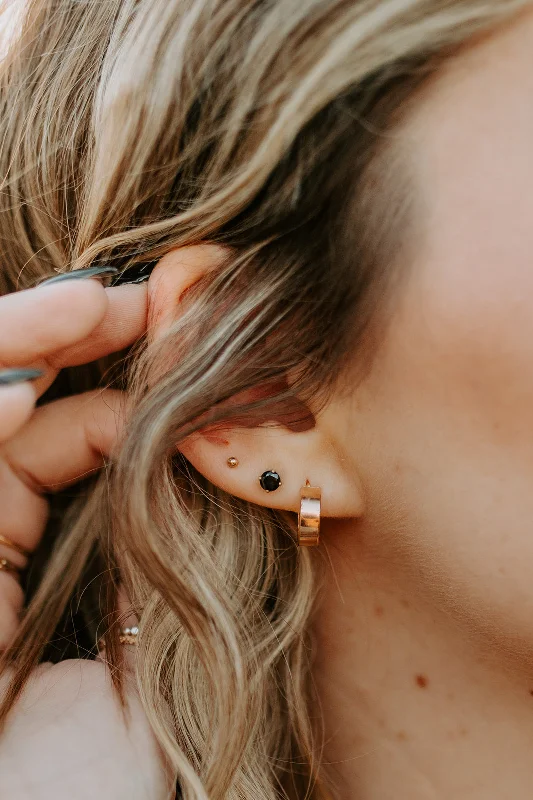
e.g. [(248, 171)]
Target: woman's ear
[(265, 462), (173, 276), (269, 464)]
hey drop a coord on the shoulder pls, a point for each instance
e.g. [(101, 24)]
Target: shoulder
[(69, 738), (10, 15)]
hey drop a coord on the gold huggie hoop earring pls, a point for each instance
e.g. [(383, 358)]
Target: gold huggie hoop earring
[(309, 516)]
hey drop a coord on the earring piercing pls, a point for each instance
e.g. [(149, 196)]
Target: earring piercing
[(309, 516), (232, 462), (270, 480)]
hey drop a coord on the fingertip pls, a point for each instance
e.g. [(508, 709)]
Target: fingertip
[(123, 323), (89, 296)]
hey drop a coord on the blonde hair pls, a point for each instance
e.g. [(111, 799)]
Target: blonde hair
[(132, 127)]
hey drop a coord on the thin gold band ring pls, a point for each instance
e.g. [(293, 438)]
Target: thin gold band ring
[(7, 566), (129, 635), (16, 547), (126, 636)]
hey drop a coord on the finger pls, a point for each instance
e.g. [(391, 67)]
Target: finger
[(24, 511), (16, 407), (63, 442), (124, 322), (66, 439), (37, 322)]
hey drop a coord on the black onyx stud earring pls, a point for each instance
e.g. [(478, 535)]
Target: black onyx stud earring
[(270, 480)]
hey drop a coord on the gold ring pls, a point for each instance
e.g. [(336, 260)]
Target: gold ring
[(126, 636), (129, 635), (8, 566), (16, 547)]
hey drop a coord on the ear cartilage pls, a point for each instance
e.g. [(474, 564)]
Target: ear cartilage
[(270, 480), (232, 462)]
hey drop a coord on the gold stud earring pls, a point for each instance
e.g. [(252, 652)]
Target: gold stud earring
[(232, 462), (309, 516)]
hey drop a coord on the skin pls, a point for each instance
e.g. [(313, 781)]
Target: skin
[(425, 648), (68, 714), (424, 636)]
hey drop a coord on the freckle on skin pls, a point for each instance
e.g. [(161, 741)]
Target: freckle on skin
[(421, 681), (531, 692), (402, 736), (463, 731), (379, 611), (404, 603)]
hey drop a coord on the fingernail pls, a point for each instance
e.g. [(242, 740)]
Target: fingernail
[(123, 282), (76, 274), (136, 273), (10, 376)]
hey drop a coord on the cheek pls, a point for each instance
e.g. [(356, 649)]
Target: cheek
[(467, 336), (443, 436), (464, 331)]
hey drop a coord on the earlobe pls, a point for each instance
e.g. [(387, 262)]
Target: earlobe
[(269, 465)]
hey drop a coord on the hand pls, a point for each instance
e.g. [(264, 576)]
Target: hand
[(66, 736), (67, 323)]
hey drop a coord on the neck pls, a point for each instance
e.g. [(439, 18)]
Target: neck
[(413, 708)]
